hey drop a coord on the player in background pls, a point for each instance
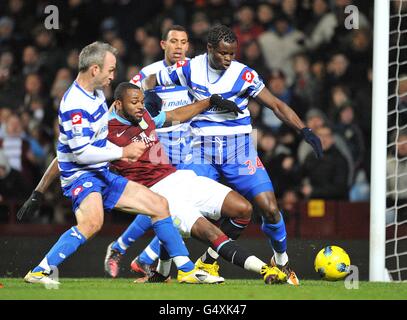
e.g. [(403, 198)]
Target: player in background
[(84, 154), (222, 144), (176, 137)]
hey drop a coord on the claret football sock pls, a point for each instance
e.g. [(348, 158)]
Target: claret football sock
[(234, 227), (67, 244)]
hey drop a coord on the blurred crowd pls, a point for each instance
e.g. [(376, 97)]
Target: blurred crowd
[(302, 50)]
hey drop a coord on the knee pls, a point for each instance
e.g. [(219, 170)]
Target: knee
[(245, 210), (272, 213), (90, 227), (163, 208)]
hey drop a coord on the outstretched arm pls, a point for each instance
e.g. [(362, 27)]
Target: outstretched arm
[(288, 116), (187, 112), (281, 109)]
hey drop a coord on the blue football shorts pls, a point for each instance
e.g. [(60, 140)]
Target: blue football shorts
[(108, 184), (232, 157)]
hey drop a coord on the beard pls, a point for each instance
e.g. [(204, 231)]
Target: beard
[(134, 120)]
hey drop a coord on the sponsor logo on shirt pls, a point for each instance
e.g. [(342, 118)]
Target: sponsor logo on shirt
[(174, 103), (248, 76), (119, 134), (137, 78), (217, 110), (163, 88), (76, 118), (182, 63), (148, 140), (76, 124), (77, 191)]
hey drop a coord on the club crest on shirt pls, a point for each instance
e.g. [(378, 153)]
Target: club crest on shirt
[(88, 184), (170, 69), (143, 124)]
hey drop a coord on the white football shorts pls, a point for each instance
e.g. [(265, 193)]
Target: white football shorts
[(191, 197)]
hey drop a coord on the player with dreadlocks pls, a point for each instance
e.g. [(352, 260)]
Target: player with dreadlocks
[(222, 145)]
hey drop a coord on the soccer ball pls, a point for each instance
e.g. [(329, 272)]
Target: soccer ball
[(332, 263)]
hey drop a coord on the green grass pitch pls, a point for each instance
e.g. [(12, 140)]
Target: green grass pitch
[(125, 289)]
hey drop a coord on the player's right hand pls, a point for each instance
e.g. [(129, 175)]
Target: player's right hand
[(134, 151), (32, 205), (218, 101)]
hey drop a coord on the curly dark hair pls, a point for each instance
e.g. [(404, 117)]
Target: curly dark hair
[(221, 32)]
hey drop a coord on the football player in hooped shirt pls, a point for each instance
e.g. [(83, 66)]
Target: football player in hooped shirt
[(191, 198), (176, 137), (222, 145)]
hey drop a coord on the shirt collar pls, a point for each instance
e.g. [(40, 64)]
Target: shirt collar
[(113, 115)]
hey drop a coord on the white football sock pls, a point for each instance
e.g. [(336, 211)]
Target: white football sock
[(164, 267), (254, 264), (281, 258), (211, 253), (181, 260)]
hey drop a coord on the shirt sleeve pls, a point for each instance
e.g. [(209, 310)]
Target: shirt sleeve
[(255, 81), (159, 120), (178, 74), (92, 154), (136, 80), (82, 140)]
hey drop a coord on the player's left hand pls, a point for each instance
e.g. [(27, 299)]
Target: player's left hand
[(218, 101), (313, 140)]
